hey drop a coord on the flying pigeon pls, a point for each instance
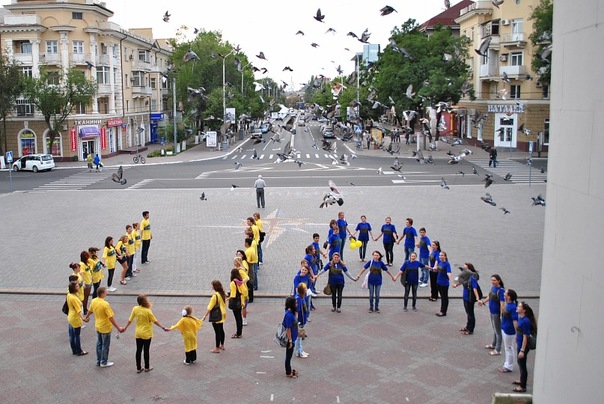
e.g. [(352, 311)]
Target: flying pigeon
[(260, 55), (300, 33), (538, 201), (488, 181), (190, 55), (380, 171), (89, 65), (497, 3), (330, 30), (203, 196), (505, 78), (319, 17), (233, 186), (508, 177), (364, 36), (484, 47), (352, 34), (447, 4), (237, 165), (118, 177), (314, 45), (474, 170), (166, 17), (332, 197), (409, 93), (545, 54), (288, 69), (488, 199), (443, 183), (387, 10), (505, 211), (195, 31)]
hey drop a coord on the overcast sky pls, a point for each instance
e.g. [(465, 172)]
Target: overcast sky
[(270, 26)]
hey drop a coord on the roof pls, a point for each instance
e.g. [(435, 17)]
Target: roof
[(447, 17)]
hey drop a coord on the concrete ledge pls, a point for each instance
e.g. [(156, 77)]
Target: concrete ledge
[(514, 398), (133, 150)]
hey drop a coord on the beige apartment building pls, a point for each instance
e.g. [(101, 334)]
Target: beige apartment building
[(132, 97), (505, 105)]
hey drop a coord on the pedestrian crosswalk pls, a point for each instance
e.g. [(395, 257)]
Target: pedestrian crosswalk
[(273, 156), (75, 181), (520, 172)]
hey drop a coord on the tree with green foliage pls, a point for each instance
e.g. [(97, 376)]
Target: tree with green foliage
[(55, 94), (11, 85), (543, 21)]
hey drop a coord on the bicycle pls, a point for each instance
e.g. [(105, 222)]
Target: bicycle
[(139, 157)]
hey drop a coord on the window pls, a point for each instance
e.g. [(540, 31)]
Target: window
[(103, 105), (516, 59), (495, 27), (546, 132), (126, 80), (164, 83), (27, 142), (56, 145), (144, 56), (153, 83), (27, 71), (24, 108), (103, 49), (77, 16), (25, 47), (514, 91), (545, 91), (138, 79), (79, 108), (102, 74), (517, 30), (52, 47), (53, 77), (78, 47)]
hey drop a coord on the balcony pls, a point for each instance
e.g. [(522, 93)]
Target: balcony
[(141, 65), (480, 7), (488, 71), (141, 91), (103, 89), (513, 72), (105, 60), (50, 58), (24, 58), (513, 40)]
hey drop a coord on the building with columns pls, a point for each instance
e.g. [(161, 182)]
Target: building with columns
[(506, 105), (127, 65)]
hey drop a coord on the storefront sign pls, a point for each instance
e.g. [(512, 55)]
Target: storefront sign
[(506, 108), (103, 138), (88, 122), (111, 122), (89, 131), (211, 139), (157, 117), (73, 139)]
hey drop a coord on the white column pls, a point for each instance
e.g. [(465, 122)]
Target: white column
[(35, 53), (64, 43), (94, 60), (112, 73)]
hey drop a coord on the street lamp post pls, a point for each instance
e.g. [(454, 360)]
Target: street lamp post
[(174, 110), (224, 85)]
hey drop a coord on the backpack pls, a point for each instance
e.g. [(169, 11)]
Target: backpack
[(281, 336)]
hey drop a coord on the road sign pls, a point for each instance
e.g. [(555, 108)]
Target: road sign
[(9, 157)]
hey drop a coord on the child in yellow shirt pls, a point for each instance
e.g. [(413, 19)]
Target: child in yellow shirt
[(188, 326)]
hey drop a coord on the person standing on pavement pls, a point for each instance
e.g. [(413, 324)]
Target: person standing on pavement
[(496, 300), (424, 257), (251, 222), (527, 325), (103, 323), (364, 230), (410, 269), (333, 241), (410, 236), (389, 232), (260, 225), (97, 162), (259, 184), (302, 311), (137, 245), (238, 263), (434, 260), (343, 230), (336, 269), (121, 250), (443, 280), (144, 330), (374, 280), (131, 250), (89, 160), (147, 236), (509, 323), (291, 328), (188, 326), (86, 272), (468, 279), (75, 317), (237, 292), (218, 298), (493, 157), (110, 260), (251, 255), (96, 266)]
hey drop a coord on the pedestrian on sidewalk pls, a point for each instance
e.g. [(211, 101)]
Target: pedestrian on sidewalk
[(443, 280), (496, 301), (493, 157), (509, 323), (146, 236), (262, 234), (364, 230), (89, 160), (260, 184), (188, 326), (110, 260), (75, 317), (86, 272), (237, 292), (144, 330), (97, 162), (410, 270), (103, 323), (336, 269), (527, 325), (390, 235), (374, 280), (291, 328), (217, 299), (468, 279)]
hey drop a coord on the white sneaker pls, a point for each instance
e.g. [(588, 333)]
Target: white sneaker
[(83, 326), (302, 355), (305, 353), (185, 362), (312, 294), (423, 285), (106, 365), (244, 321), (112, 289), (127, 278)]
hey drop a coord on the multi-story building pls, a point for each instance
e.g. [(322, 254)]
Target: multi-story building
[(127, 65), (519, 100)]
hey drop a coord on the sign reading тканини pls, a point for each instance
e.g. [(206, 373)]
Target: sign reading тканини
[(506, 108)]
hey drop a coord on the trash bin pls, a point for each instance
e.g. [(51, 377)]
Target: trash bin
[(225, 145), (240, 134)]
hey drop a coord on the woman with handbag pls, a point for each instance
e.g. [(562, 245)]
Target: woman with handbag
[(238, 263), (410, 271), (217, 312), (374, 280), (236, 300), (336, 269), (527, 328)]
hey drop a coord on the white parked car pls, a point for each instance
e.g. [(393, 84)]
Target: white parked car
[(34, 162)]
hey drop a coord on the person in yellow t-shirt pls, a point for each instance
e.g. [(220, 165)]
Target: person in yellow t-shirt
[(251, 253), (137, 245), (97, 269), (236, 287), (146, 237), (261, 232), (144, 330), (103, 320), (218, 298), (131, 247), (86, 272), (110, 260), (75, 318), (238, 263), (79, 280), (188, 326), (121, 250)]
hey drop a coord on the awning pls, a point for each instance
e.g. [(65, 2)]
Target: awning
[(89, 131)]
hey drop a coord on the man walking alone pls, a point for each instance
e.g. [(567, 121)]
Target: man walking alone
[(259, 185)]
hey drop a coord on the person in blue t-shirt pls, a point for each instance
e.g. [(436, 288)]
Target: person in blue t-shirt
[(364, 230), (443, 280), (333, 241), (469, 280), (434, 260), (496, 303), (336, 269), (424, 257), (411, 278), (374, 280), (291, 328), (389, 232), (509, 322), (410, 236), (302, 312), (527, 325), (343, 231)]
